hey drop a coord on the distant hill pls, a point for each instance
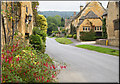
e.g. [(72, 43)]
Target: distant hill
[(64, 14)]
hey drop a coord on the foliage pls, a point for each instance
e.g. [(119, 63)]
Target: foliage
[(69, 36), (100, 49), (63, 40), (64, 14), (88, 36), (38, 38), (75, 36), (22, 64), (35, 13), (72, 29), (104, 33), (51, 27), (36, 41), (54, 23), (62, 22)]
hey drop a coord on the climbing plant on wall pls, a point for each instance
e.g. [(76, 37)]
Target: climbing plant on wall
[(104, 32)]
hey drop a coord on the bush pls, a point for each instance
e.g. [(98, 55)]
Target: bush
[(20, 63), (87, 36), (36, 41), (69, 36), (75, 36)]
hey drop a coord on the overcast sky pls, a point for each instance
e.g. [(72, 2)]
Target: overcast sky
[(64, 5)]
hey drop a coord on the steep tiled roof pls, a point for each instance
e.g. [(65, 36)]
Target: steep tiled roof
[(91, 14), (84, 9)]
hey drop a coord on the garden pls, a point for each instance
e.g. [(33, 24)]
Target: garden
[(23, 62)]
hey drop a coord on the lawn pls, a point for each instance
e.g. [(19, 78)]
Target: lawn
[(100, 49), (63, 40)]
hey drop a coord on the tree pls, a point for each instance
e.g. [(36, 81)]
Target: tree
[(51, 27), (62, 22), (104, 33)]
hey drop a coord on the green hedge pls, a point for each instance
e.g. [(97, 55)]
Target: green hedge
[(88, 36), (75, 36), (69, 36), (36, 41)]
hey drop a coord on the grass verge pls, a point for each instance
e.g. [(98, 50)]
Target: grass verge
[(100, 49), (63, 40)]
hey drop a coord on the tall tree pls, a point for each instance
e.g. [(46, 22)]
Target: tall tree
[(62, 22)]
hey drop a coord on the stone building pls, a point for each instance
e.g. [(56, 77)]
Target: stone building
[(23, 23), (89, 18), (112, 23)]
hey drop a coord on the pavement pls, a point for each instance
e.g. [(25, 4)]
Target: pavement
[(75, 42), (83, 65)]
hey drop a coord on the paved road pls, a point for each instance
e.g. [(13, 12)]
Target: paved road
[(83, 65)]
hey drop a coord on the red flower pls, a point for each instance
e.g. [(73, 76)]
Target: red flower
[(42, 78), (17, 59), (13, 46), (7, 51), (36, 78), (47, 80), (64, 66), (61, 67), (53, 76), (6, 60), (53, 66), (39, 77), (24, 73), (12, 50), (2, 50)]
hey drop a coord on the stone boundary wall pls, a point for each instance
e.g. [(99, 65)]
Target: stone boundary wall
[(111, 42)]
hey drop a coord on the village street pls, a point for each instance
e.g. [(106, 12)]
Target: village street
[(83, 65)]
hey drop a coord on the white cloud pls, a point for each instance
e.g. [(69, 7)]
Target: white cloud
[(63, 5)]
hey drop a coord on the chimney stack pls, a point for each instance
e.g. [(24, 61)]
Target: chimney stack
[(74, 14), (81, 7)]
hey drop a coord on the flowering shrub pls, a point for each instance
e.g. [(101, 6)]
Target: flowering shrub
[(21, 63)]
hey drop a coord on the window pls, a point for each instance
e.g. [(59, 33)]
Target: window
[(100, 28), (83, 28), (27, 9), (86, 28), (95, 28)]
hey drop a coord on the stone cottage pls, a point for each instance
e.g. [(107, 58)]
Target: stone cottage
[(21, 19), (89, 17)]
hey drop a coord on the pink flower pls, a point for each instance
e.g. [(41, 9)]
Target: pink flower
[(61, 67), (13, 46), (6, 60), (47, 80), (7, 51), (39, 77), (64, 66), (53, 66), (17, 59), (53, 76)]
